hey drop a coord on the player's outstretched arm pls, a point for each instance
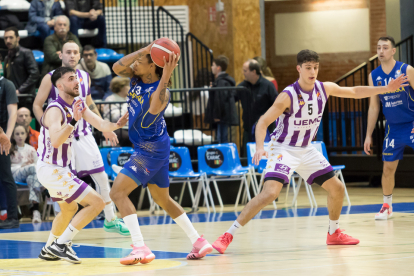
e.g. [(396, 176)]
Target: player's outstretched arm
[(359, 92), (373, 111), (95, 120), (41, 97), (161, 96), (281, 104), (123, 66), (58, 134)]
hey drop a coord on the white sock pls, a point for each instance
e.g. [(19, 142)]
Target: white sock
[(333, 225), (388, 200), (51, 239), (184, 222), (234, 227), (68, 235), (2, 212), (109, 212), (131, 222)]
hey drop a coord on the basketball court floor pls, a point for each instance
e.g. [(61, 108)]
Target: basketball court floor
[(286, 241)]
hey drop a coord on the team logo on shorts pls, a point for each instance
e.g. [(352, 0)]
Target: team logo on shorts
[(324, 163), (59, 177), (147, 172), (55, 171), (65, 183), (281, 168), (71, 187), (279, 157), (134, 168)]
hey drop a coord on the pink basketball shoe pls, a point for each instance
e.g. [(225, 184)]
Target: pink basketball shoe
[(141, 255), (200, 249)]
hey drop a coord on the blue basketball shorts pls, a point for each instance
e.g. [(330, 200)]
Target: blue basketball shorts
[(397, 136), (143, 170)]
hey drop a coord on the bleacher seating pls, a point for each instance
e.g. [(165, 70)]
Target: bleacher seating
[(107, 55), (39, 56)]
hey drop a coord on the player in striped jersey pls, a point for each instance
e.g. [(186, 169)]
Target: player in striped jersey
[(59, 122), (298, 111), (86, 159)]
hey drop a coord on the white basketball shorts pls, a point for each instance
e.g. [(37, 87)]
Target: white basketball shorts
[(86, 157), (61, 183), (284, 160)]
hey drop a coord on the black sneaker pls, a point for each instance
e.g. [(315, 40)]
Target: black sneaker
[(9, 224), (64, 251), (47, 256)]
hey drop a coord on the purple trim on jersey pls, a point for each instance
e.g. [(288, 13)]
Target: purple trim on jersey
[(83, 85), (84, 128), (323, 89), (54, 158), (285, 129), (88, 92), (64, 154), (306, 138), (298, 89), (291, 100), (294, 138), (320, 103), (319, 173), (85, 173), (79, 191), (44, 143), (278, 175), (316, 132), (63, 102)]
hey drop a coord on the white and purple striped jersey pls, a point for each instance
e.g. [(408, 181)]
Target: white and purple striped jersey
[(299, 126), (83, 128), (47, 153)]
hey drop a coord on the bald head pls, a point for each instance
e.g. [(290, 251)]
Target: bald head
[(24, 117)]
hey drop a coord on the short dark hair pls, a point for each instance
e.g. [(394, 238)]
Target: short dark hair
[(388, 38), (14, 29), (307, 56), (89, 48), (254, 66), (59, 73), (222, 61)]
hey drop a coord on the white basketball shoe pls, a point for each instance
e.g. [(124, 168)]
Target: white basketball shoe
[(385, 212)]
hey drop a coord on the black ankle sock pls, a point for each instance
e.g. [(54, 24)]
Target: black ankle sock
[(35, 207)]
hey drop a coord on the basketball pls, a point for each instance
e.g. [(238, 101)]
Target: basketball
[(162, 48)]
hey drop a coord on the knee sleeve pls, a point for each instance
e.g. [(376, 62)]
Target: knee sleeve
[(102, 185)]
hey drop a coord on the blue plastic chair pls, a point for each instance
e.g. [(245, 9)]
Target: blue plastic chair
[(181, 171), (106, 157), (115, 158), (108, 55), (222, 166), (39, 56)]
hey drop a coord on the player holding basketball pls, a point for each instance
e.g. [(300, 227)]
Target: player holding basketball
[(86, 158), (298, 111), (398, 108), (59, 123), (147, 100)]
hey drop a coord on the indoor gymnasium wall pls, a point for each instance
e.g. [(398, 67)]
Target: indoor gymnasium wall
[(339, 54)]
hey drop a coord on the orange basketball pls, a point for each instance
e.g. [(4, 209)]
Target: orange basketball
[(162, 48)]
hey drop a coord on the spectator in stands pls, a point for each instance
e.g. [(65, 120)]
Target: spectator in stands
[(23, 166), (221, 108), (112, 112), (98, 71), (20, 64), (53, 44), (260, 97), (87, 14), (41, 17), (24, 118), (265, 71), (8, 114)]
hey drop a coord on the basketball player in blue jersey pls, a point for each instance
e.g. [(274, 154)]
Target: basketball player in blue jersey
[(86, 159), (398, 108), (297, 111), (147, 100)]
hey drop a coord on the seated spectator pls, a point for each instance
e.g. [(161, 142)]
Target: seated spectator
[(265, 71), (23, 165), (41, 17), (20, 64), (24, 118), (53, 44), (87, 14), (98, 71)]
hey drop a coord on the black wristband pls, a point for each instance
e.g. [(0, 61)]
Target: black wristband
[(73, 122)]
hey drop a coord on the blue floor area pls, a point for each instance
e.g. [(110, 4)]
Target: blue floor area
[(215, 217)]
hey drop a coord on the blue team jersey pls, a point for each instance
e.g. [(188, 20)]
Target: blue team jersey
[(398, 106)]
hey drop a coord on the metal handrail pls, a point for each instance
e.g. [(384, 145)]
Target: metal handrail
[(351, 72)]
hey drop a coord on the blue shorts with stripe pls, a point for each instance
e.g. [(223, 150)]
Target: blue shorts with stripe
[(397, 136)]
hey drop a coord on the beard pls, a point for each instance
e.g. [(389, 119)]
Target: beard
[(71, 92)]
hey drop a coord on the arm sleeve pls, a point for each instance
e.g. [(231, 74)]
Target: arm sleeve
[(10, 90), (32, 69), (50, 50), (33, 17)]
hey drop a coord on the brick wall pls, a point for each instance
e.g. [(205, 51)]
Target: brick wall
[(332, 66)]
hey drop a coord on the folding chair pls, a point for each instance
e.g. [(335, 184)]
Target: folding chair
[(219, 163), (106, 157), (181, 171)]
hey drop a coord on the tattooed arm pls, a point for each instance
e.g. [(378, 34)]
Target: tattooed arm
[(159, 99), (122, 67)]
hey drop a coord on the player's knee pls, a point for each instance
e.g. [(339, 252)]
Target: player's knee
[(99, 204), (388, 171), (271, 195), (73, 208), (115, 195)]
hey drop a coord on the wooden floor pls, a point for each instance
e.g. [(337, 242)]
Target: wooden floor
[(292, 243)]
